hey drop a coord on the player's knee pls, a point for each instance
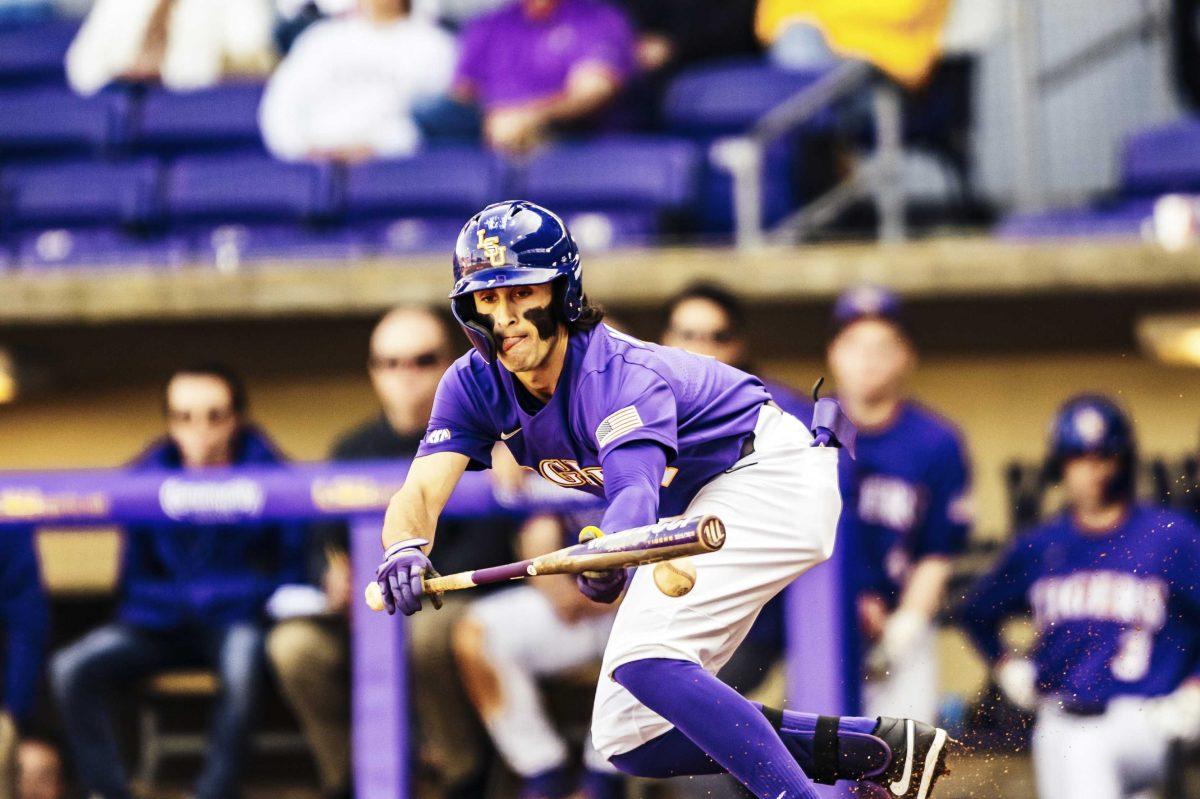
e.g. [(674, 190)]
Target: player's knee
[(620, 745), (66, 672), (827, 547), (289, 645), (468, 641)]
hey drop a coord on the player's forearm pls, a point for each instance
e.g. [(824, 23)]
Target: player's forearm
[(410, 514), (588, 90), (414, 510), (926, 586)]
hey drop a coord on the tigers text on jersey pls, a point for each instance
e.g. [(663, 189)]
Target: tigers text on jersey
[(1116, 612), (613, 389), (907, 495)]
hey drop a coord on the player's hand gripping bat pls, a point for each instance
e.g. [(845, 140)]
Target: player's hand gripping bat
[(635, 547)]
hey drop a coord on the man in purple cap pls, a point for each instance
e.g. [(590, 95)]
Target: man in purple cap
[(906, 499), (539, 65), (656, 432)]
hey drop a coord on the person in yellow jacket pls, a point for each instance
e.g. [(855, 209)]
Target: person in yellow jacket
[(900, 37)]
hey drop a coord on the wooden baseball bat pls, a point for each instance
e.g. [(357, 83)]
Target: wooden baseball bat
[(634, 547)]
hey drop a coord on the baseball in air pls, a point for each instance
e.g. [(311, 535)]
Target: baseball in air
[(675, 577)]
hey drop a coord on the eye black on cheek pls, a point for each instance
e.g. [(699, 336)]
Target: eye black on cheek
[(543, 321)]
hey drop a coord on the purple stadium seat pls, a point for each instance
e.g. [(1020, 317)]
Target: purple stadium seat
[(30, 53), (223, 117), (712, 100), (236, 244), (244, 188), (77, 193), (596, 231), (407, 235), (1120, 220), (1162, 160), (628, 173), (55, 120), (452, 181), (97, 247), (728, 97)]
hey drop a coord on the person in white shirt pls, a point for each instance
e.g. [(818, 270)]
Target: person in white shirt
[(187, 44), (346, 89)]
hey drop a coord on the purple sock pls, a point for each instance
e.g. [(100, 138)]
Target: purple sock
[(602, 785), (552, 784), (718, 720)]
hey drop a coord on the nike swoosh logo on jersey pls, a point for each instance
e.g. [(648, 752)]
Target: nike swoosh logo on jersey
[(507, 436), (900, 787)]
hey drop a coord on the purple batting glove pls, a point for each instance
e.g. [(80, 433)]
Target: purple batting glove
[(603, 586), (400, 576)]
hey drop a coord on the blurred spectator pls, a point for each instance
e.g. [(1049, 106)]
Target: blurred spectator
[(345, 91), (410, 348), (543, 65), (293, 17), (708, 319), (456, 13), (16, 12), (191, 595), (907, 503), (673, 33), (24, 629), (40, 771), (508, 641), (900, 37), (1185, 40), (187, 44)]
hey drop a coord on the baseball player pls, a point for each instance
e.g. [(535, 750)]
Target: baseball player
[(1112, 585), (656, 432), (906, 498)]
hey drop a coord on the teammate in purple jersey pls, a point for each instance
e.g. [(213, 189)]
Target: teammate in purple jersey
[(906, 495), (656, 432), (1114, 590)]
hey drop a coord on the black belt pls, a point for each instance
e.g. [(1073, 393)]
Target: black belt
[(748, 442), (1084, 711)]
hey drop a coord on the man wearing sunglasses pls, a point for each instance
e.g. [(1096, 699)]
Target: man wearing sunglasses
[(190, 595), (409, 351)]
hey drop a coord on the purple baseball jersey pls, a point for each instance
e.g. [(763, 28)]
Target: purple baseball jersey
[(507, 58), (614, 389), (1117, 612), (906, 496)]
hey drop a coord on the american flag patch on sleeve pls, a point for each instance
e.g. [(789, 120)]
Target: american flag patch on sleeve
[(618, 424)]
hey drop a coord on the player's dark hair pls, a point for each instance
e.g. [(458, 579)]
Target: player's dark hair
[(232, 380), (718, 295), (589, 316)]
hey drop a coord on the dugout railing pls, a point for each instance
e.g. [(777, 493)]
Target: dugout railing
[(358, 493)]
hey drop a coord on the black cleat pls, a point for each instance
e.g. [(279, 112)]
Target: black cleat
[(918, 757)]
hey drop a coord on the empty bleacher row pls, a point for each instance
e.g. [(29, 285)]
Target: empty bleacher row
[(1162, 160)]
